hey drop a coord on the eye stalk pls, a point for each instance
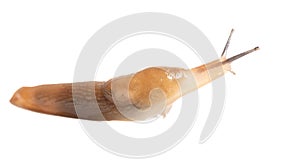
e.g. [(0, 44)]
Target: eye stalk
[(231, 59)]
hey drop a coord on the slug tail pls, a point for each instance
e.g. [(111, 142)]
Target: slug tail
[(57, 99), (48, 99)]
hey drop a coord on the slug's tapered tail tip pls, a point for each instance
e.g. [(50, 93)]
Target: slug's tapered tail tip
[(231, 59), (46, 99), (18, 99), (24, 98)]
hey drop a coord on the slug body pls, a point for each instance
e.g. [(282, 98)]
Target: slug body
[(140, 96)]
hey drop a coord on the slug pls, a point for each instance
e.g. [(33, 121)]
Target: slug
[(140, 96)]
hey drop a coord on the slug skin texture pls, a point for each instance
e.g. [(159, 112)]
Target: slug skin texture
[(139, 96)]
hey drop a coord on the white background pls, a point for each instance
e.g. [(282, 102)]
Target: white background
[(40, 43)]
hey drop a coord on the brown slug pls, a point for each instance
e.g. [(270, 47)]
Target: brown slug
[(145, 94)]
